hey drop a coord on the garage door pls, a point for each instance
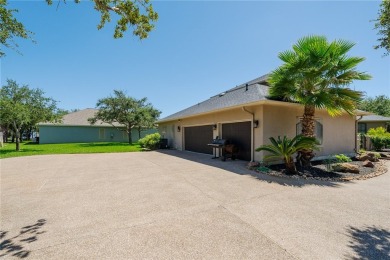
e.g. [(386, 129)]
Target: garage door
[(196, 139), (239, 134)]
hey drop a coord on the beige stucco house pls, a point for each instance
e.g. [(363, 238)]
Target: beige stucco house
[(245, 116)]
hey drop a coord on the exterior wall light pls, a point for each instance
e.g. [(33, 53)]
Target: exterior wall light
[(178, 128), (215, 127), (255, 123)]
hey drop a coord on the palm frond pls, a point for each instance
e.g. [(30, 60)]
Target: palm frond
[(313, 73)]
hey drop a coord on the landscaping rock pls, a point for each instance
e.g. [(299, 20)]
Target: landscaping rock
[(383, 155), (373, 157), (367, 163), (367, 156), (346, 167), (253, 165)]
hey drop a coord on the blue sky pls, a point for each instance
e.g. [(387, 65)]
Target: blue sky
[(198, 49)]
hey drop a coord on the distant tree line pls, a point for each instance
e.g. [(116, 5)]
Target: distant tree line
[(379, 105)]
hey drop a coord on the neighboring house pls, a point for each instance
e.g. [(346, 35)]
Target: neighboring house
[(373, 121), (245, 116), (75, 128)]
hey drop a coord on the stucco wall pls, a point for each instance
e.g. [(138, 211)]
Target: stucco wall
[(85, 134), (175, 138), (338, 132), (274, 120)]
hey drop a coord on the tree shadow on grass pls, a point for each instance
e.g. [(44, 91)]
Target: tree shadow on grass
[(3, 152), (105, 144), (369, 243), (31, 144), (14, 246)]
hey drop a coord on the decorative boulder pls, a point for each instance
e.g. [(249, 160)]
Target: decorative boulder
[(373, 157), (362, 157), (253, 165), (367, 163), (346, 167), (367, 156)]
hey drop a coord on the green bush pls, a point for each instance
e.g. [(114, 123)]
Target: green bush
[(342, 158), (380, 138), (151, 141), (379, 131)]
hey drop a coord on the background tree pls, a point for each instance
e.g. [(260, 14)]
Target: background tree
[(379, 105), (121, 111), (22, 108), (316, 74), (146, 117), (138, 14), (10, 27), (382, 24)]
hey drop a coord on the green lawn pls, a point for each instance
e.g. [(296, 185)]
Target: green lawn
[(29, 148)]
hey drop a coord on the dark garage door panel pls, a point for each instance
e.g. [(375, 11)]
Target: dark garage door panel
[(239, 134), (196, 138)]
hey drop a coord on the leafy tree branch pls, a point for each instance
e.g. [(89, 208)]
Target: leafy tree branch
[(382, 24), (137, 14)]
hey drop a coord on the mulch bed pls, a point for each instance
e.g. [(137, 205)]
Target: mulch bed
[(318, 171)]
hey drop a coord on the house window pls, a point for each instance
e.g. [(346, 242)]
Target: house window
[(318, 130), (362, 128), (101, 133)]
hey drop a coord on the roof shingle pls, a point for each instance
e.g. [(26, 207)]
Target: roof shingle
[(374, 118), (79, 118), (251, 91)]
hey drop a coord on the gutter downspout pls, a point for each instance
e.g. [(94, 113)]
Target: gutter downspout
[(252, 133), (356, 133)]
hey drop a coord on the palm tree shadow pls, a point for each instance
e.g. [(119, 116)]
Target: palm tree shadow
[(369, 243), (14, 246)]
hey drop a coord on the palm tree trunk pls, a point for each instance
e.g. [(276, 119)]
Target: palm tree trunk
[(308, 122), (308, 127), (290, 166)]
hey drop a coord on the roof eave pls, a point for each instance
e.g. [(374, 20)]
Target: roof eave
[(363, 113), (79, 125), (259, 102)]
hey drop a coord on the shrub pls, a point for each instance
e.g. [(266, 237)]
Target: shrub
[(151, 141), (285, 148), (342, 158), (378, 142), (379, 131), (380, 138)]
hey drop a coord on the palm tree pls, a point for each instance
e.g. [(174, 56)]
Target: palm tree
[(316, 74), (285, 148)]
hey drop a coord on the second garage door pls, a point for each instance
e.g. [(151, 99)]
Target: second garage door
[(239, 134), (196, 138)]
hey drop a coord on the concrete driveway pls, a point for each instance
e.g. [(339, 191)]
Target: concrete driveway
[(178, 205)]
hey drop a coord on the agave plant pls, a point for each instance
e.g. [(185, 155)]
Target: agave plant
[(285, 149)]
